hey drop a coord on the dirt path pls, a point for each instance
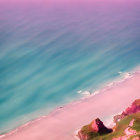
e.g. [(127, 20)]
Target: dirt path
[(128, 132)]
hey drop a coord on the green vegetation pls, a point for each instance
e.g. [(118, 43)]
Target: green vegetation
[(136, 125), (119, 129), (86, 130)]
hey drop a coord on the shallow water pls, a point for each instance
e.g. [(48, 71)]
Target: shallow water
[(49, 52)]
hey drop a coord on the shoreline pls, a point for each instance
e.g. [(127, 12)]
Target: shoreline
[(58, 113)]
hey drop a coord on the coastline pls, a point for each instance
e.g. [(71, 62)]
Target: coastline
[(103, 105)]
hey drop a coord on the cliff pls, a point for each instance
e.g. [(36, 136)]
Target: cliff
[(134, 108), (127, 126), (94, 129)]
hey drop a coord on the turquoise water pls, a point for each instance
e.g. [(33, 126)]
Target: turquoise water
[(48, 53)]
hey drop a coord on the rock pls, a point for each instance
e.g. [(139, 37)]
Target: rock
[(95, 128), (134, 108), (82, 136), (98, 127), (136, 138)]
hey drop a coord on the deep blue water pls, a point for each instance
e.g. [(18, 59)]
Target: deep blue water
[(47, 54)]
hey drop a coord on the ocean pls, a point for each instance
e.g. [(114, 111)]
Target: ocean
[(50, 54)]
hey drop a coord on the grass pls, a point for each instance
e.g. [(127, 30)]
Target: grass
[(136, 125), (119, 129), (86, 130)]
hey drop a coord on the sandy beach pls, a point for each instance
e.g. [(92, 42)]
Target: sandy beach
[(61, 124)]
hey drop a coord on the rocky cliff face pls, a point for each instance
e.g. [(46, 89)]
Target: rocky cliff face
[(95, 128), (134, 108), (98, 127), (126, 124)]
